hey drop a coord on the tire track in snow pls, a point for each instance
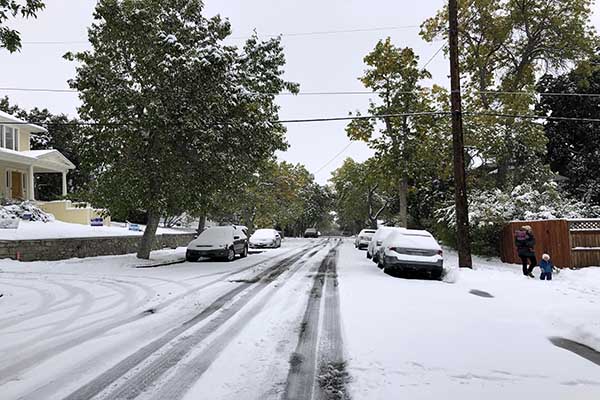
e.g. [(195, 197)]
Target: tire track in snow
[(332, 376), (316, 367), (185, 377), (143, 378), (92, 331)]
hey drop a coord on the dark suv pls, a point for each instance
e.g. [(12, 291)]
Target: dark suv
[(311, 233)]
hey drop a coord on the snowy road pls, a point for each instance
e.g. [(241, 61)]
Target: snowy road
[(312, 320)]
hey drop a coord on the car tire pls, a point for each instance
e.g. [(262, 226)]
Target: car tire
[(230, 255), (381, 265), (244, 253), (190, 258), (368, 255)]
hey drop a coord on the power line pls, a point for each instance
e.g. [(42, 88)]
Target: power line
[(348, 118), (289, 121), (434, 56), (341, 93), (362, 117), (525, 116), (540, 93), (334, 157), (291, 34)]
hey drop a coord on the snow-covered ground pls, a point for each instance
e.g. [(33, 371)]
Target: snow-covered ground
[(425, 339), (101, 328), (57, 230)]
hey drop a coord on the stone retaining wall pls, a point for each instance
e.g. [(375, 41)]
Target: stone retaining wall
[(62, 249)]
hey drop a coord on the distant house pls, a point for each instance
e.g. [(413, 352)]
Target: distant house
[(18, 163)]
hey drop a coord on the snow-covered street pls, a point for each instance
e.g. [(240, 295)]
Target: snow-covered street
[(314, 319)]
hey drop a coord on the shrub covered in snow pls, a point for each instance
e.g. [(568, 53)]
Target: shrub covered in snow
[(490, 210), (24, 210)]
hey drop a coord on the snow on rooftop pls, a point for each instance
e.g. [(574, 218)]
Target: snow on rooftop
[(6, 117)]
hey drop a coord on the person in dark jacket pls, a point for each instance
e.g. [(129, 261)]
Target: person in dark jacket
[(525, 243), (546, 267)]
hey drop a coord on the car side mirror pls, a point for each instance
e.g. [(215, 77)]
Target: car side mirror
[(236, 237)]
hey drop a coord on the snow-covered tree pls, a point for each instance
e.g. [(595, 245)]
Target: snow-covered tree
[(176, 114)]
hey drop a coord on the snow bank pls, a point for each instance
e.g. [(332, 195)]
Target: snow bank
[(485, 336), (31, 230)]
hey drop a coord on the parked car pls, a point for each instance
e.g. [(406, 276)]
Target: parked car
[(218, 242), (364, 238), (377, 239), (412, 250), (265, 238), (311, 233)]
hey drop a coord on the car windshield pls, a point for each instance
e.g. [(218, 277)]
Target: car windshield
[(219, 234), (264, 234)]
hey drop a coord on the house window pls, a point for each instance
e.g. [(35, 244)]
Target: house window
[(9, 138), (1, 135)]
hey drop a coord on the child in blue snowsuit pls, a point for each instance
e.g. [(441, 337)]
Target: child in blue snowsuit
[(546, 266)]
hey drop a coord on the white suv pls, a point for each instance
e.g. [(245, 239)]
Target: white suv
[(364, 238)]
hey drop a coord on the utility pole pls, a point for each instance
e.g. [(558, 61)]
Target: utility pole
[(460, 184)]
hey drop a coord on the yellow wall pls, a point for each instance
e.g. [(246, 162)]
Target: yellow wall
[(24, 144), (64, 211)]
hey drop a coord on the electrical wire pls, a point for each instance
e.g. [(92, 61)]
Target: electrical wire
[(348, 118), (334, 158), (525, 116), (292, 34), (339, 93), (434, 56)]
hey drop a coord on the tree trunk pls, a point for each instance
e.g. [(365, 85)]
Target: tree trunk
[(149, 236), (201, 223), (403, 195)]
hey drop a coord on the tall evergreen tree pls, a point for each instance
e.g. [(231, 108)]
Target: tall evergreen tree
[(574, 146), (177, 114)]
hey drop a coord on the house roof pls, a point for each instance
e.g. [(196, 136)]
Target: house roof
[(46, 160), (5, 117)]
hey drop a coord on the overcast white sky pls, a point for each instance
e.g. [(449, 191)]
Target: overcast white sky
[(319, 63)]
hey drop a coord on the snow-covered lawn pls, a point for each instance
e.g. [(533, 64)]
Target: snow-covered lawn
[(425, 339), (56, 230), (83, 328)]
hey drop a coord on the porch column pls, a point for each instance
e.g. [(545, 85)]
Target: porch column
[(31, 185), (64, 183)]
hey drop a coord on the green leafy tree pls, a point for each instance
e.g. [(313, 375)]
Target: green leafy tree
[(178, 116), (505, 45), (396, 77), (10, 38), (573, 145), (362, 194), (279, 195)]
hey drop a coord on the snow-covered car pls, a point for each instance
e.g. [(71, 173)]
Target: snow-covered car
[(311, 233), (412, 250), (364, 238), (377, 239), (265, 238), (218, 242)]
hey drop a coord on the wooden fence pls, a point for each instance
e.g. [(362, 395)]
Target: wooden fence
[(570, 243)]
